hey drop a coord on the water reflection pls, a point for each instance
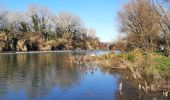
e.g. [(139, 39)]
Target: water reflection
[(49, 76)]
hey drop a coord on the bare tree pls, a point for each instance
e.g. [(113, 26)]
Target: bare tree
[(40, 17), (163, 11), (37, 28), (68, 23), (91, 32), (140, 22), (3, 19)]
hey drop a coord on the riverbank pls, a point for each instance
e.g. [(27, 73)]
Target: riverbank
[(148, 71)]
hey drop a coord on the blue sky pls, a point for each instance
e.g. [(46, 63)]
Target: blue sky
[(98, 14)]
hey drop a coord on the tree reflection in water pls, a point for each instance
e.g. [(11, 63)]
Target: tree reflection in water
[(37, 73), (51, 76)]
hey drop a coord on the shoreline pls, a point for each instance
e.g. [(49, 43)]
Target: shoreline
[(145, 70), (56, 51)]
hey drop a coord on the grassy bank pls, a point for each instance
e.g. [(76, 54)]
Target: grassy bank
[(149, 71)]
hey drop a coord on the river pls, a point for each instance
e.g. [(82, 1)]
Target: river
[(51, 76)]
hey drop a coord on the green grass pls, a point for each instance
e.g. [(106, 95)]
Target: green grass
[(163, 63), (129, 57)]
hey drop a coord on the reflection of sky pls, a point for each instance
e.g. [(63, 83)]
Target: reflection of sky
[(47, 76), (93, 86), (15, 95)]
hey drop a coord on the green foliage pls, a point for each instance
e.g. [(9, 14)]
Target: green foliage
[(35, 22), (131, 57), (121, 55), (127, 56), (163, 63)]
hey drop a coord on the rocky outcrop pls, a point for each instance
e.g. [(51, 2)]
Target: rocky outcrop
[(34, 42), (21, 45)]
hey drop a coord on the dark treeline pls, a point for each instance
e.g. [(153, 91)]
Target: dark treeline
[(39, 29), (145, 24)]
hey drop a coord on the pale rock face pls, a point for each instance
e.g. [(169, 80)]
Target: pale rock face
[(21, 46), (25, 48)]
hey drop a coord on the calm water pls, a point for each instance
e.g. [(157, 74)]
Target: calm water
[(50, 76)]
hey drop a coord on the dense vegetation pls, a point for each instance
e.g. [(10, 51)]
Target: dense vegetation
[(39, 29)]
